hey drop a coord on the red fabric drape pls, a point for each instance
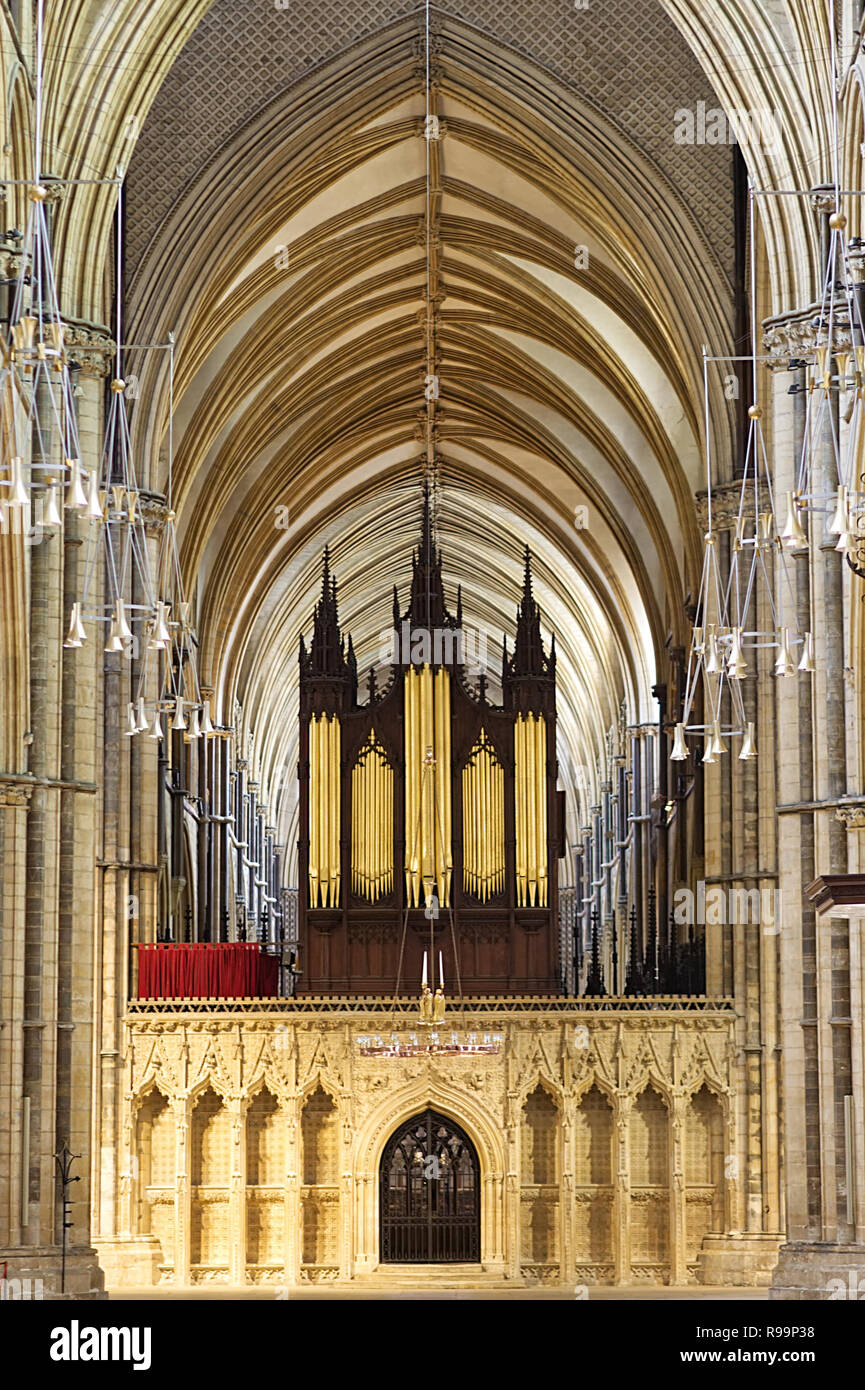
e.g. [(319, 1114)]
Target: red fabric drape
[(229, 970)]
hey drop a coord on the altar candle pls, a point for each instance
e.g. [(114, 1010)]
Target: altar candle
[(423, 978), (441, 973)]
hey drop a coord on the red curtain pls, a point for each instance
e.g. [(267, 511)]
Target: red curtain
[(229, 970)]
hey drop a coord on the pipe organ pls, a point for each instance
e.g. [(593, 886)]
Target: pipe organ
[(372, 823), (324, 799), (426, 806), (428, 859), (483, 790)]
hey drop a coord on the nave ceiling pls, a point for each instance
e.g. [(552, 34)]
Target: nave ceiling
[(277, 227)]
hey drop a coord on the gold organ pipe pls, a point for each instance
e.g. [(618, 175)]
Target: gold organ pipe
[(428, 813), (475, 822), (324, 865), (379, 822), (532, 815), (476, 796), (363, 827), (374, 815), (415, 832), (520, 809), (427, 741), (413, 775), (372, 822), (336, 788), (445, 780), (530, 808), (329, 809), (541, 807), (488, 824), (312, 815), (408, 721), (480, 842), (323, 876), (322, 810), (467, 828), (369, 847), (483, 783), (436, 785), (356, 793), (502, 823), (389, 823)]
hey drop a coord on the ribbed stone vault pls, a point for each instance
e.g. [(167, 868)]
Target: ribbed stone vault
[(279, 233), (300, 386)]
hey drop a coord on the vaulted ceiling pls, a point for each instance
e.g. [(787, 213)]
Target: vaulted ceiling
[(276, 199)]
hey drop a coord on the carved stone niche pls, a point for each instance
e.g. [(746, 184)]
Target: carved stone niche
[(726, 499), (90, 345), (794, 334)]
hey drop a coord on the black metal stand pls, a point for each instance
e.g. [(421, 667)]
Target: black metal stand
[(64, 1159)]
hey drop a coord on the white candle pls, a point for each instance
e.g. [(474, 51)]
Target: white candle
[(423, 978), (441, 973)]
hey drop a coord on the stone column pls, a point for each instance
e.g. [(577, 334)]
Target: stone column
[(741, 938), (818, 764), (678, 1250), (182, 1193), (622, 1194), (567, 1216), (237, 1192), (293, 1205)]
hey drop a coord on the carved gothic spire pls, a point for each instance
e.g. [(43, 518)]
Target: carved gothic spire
[(427, 610), (328, 659), (529, 668)]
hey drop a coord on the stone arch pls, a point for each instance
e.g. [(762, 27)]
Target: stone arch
[(266, 1142), (540, 1176), (210, 1166), (461, 1106), (498, 1210), (594, 1183), (649, 1136), (429, 1193), (705, 1167), (320, 1152), (154, 1130)]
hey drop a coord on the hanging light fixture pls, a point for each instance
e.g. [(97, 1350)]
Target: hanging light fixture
[(51, 516), (76, 635), (757, 580), (40, 441)]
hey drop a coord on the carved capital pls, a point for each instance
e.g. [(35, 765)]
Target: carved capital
[(153, 509), (90, 345), (795, 335), (14, 793), (726, 498), (851, 817), (822, 199)]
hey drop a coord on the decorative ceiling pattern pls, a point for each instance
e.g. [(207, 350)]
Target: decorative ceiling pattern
[(628, 60), (569, 389)]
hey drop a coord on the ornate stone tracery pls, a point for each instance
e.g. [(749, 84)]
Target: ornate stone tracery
[(547, 1122)]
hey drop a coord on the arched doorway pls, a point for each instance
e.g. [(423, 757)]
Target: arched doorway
[(430, 1194)]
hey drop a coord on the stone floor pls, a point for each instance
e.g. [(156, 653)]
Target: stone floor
[(640, 1294)]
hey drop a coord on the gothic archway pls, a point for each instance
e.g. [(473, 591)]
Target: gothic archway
[(430, 1194)]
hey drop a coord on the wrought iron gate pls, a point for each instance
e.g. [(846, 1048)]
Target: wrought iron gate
[(430, 1194)]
